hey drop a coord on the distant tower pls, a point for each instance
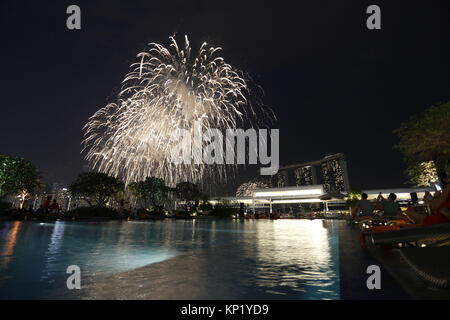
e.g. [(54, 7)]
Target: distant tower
[(305, 176), (282, 178), (334, 173), (331, 171)]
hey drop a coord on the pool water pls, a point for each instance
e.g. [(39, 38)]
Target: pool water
[(282, 259)]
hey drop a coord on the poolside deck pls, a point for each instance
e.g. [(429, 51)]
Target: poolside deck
[(354, 261), (412, 283), (399, 280)]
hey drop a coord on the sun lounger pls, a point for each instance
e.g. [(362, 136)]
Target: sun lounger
[(430, 234), (368, 221)]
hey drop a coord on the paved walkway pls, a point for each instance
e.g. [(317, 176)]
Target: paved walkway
[(353, 265)]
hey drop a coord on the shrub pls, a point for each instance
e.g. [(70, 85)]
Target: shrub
[(17, 214), (158, 211), (10, 213), (206, 206), (4, 208), (93, 212), (223, 212), (181, 214)]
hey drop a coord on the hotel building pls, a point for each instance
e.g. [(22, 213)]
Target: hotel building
[(331, 172)]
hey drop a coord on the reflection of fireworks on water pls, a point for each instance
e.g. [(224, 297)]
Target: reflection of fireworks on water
[(166, 89)]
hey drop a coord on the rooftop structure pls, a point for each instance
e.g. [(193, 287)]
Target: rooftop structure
[(330, 171)]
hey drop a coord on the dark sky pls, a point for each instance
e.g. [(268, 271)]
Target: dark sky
[(334, 85)]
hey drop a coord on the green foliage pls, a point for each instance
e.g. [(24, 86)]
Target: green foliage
[(17, 175), (426, 137), (96, 188), (353, 196), (206, 206), (204, 198), (223, 211), (423, 174), (152, 190), (16, 214), (187, 191)]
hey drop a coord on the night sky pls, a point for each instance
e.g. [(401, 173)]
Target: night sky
[(334, 85)]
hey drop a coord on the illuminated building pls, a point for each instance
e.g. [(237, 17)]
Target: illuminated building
[(282, 179), (305, 176), (334, 177), (331, 172)]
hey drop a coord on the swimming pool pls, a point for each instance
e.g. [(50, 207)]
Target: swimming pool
[(221, 259)]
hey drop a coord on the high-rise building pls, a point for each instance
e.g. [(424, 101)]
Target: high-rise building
[(305, 176), (282, 179), (331, 171)]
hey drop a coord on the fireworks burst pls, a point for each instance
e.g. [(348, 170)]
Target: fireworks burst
[(247, 188), (167, 89)]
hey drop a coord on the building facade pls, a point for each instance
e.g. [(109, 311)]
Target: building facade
[(331, 172)]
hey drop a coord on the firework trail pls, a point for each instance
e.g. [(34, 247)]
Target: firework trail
[(167, 89)]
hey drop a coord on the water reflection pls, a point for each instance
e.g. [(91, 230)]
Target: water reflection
[(295, 259), (11, 231), (296, 254), (53, 252)]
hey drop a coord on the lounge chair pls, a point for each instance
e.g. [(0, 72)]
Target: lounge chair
[(430, 235), (428, 251), (372, 225)]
